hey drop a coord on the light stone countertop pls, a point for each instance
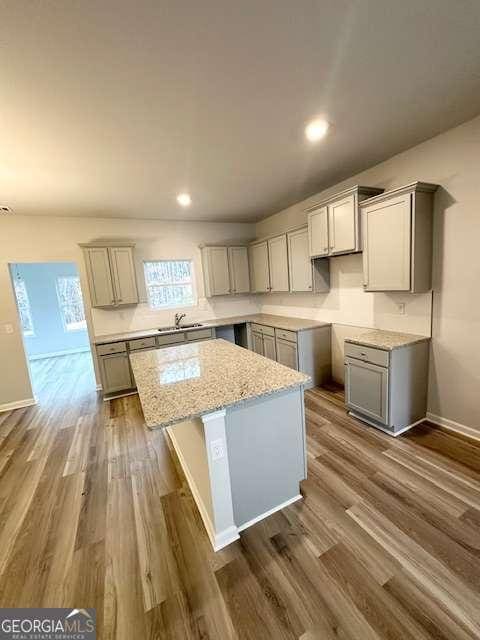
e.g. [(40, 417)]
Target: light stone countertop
[(182, 382), (386, 340), (280, 322)]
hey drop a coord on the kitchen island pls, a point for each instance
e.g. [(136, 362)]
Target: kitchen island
[(236, 422)]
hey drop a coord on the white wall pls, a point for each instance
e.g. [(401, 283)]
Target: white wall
[(451, 160), (28, 239)]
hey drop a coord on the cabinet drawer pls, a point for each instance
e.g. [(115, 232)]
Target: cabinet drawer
[(263, 329), (142, 343), (113, 347), (367, 354), (291, 336), (170, 338), (201, 334)]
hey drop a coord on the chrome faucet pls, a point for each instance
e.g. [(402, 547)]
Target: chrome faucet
[(178, 318)]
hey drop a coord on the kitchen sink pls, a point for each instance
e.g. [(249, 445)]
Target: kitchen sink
[(182, 327)]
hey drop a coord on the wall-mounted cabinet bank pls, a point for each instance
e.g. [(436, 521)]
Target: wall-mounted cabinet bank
[(111, 274), (283, 264), (225, 270), (397, 237), (334, 225)]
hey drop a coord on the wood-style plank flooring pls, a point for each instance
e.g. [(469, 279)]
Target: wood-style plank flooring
[(94, 512)]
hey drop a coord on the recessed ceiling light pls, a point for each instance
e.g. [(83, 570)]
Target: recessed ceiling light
[(316, 129), (184, 199)]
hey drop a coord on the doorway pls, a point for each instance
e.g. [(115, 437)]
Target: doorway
[(52, 319)]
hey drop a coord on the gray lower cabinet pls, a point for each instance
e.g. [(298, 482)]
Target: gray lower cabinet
[(269, 350), (287, 353), (366, 389), (257, 342), (114, 363), (308, 350), (115, 372), (387, 389)]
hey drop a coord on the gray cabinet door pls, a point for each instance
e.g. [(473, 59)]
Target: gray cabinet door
[(387, 245), (123, 272), (342, 225), (257, 342), (299, 262), (259, 265), (278, 263), (269, 350), (239, 273), (366, 389), (218, 271), (287, 353), (318, 232), (99, 277), (115, 370)]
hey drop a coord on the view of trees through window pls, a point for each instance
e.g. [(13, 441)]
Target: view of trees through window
[(169, 283), (23, 306), (71, 303)]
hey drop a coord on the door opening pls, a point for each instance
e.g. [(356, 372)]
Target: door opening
[(52, 320)]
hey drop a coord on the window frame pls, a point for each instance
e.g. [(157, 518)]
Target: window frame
[(26, 334), (192, 282), (61, 306)]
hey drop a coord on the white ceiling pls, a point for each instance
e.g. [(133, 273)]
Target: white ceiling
[(111, 107)]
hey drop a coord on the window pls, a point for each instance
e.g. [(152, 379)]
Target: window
[(70, 302), (23, 306), (169, 283)]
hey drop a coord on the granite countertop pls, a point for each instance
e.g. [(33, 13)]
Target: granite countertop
[(387, 340), (182, 382), (280, 322)]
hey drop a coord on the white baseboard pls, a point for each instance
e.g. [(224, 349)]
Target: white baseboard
[(218, 539), (19, 404), (270, 512), (55, 354), (454, 426)]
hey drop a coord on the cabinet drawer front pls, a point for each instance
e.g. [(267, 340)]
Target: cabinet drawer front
[(113, 347), (367, 354), (142, 343), (170, 338), (201, 334), (291, 336), (263, 329)]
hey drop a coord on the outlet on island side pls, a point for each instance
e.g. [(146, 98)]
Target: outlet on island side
[(401, 308), (216, 449)]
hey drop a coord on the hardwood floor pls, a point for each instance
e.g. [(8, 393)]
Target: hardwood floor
[(95, 512)]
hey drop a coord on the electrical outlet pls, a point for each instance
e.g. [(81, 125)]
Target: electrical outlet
[(8, 328), (401, 308), (216, 449)]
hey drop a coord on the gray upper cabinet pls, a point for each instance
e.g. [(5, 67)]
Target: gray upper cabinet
[(215, 271), (397, 237), (299, 262), (225, 270), (111, 275), (123, 272), (278, 263), (239, 269), (334, 224), (259, 267), (318, 232)]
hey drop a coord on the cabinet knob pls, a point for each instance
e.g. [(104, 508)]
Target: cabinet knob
[(113, 301), (120, 300), (309, 286)]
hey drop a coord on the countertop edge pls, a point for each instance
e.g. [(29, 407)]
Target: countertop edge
[(171, 423), (373, 345)]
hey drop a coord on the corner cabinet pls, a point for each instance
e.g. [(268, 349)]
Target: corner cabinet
[(111, 275), (334, 226), (225, 270), (397, 237)]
